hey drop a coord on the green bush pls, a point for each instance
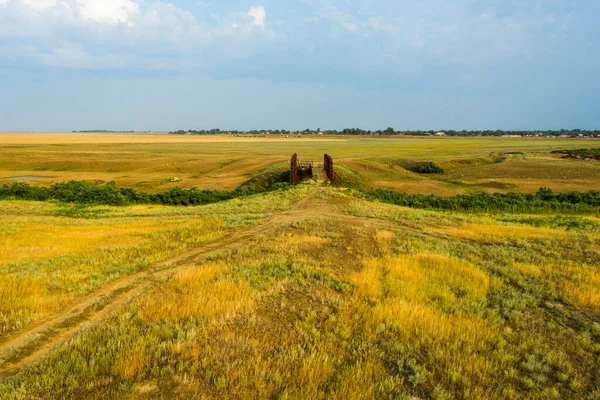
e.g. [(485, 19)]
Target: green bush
[(428, 168), (593, 154), (542, 201), (112, 195)]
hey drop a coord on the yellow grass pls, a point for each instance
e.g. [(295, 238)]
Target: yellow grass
[(423, 277), (198, 292), (404, 284), (127, 138), (384, 235), (48, 261), (585, 287), (49, 239), (17, 294), (423, 324), (581, 282), (484, 232), (529, 269), (403, 289)]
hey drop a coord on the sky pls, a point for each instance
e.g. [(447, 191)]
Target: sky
[(296, 64)]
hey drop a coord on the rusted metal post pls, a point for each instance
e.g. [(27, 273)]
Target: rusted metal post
[(328, 164), (294, 170)]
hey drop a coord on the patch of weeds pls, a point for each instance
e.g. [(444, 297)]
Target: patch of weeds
[(298, 225), (559, 221), (80, 211), (328, 235), (55, 286), (261, 275), (497, 185), (427, 167), (490, 184), (235, 220), (339, 285)]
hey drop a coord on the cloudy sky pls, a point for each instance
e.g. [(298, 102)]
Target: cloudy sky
[(409, 64)]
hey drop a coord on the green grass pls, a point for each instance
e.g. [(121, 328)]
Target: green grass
[(340, 298)]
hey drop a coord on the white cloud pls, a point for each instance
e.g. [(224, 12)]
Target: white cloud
[(73, 55), (325, 10), (101, 11), (39, 5), (126, 33), (441, 32), (106, 11), (259, 15)]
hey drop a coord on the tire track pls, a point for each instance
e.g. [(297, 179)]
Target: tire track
[(24, 348)]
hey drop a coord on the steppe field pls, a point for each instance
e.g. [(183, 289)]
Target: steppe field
[(151, 162), (316, 291)]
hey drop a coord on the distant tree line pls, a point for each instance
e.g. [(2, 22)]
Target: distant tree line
[(393, 132), (111, 194), (104, 131), (543, 201)]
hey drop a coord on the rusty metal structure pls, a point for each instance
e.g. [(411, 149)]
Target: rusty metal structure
[(328, 166), (304, 169), (299, 170), (294, 170)]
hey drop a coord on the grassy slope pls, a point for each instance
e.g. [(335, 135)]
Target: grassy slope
[(150, 163), (338, 298)]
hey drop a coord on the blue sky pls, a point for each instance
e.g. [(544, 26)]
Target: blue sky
[(409, 64)]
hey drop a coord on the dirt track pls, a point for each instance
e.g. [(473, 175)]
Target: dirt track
[(32, 344), (27, 346)]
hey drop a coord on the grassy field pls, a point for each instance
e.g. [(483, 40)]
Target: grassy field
[(309, 293), (152, 162)]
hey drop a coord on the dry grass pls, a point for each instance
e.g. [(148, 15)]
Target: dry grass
[(150, 162), (583, 285), (371, 302), (425, 277), (579, 281), (127, 138), (482, 232), (56, 237), (47, 262), (405, 291), (198, 292)]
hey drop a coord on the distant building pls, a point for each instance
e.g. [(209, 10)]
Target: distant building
[(440, 134)]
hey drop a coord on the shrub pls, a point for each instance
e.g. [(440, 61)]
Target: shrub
[(428, 168), (542, 201), (110, 194)]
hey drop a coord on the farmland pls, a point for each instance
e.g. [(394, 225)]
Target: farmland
[(316, 291), (152, 162)]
